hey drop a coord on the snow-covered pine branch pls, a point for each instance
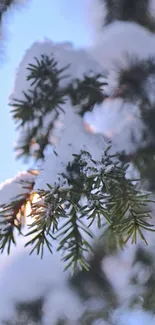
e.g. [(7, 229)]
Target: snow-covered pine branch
[(40, 74), (14, 187), (101, 13), (72, 173), (15, 201)]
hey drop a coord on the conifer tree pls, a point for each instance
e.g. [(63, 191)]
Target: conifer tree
[(89, 130)]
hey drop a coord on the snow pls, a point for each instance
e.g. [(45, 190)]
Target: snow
[(96, 14), (64, 302), (133, 317), (105, 119), (65, 53), (25, 278), (18, 185), (152, 8), (131, 39), (149, 88), (28, 277), (69, 144), (80, 62), (115, 120), (98, 58)]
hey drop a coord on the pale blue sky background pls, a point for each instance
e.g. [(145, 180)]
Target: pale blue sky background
[(59, 20)]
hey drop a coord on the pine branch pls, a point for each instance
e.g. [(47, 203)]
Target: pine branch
[(42, 103), (129, 10), (145, 259), (46, 214), (135, 78), (113, 202), (13, 215), (95, 286), (139, 90), (37, 113), (117, 205), (27, 313), (4, 6), (87, 92), (45, 102)]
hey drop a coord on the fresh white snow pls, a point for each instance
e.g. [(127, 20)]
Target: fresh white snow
[(113, 119), (13, 187)]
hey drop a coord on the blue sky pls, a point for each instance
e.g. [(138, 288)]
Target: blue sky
[(59, 20)]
